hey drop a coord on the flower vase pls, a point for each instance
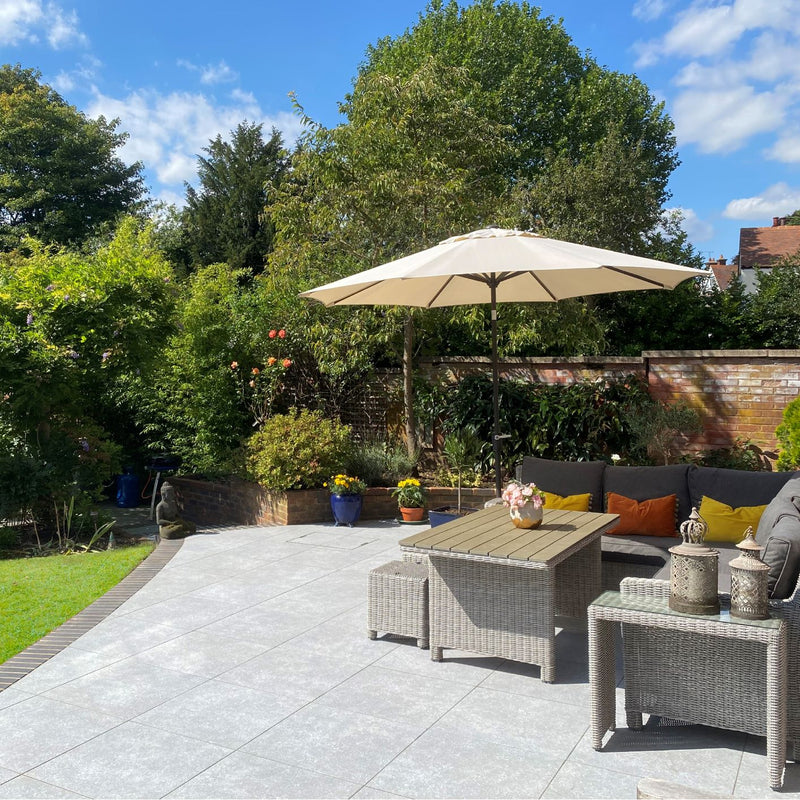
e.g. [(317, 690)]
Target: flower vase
[(346, 508), (527, 516), (412, 514)]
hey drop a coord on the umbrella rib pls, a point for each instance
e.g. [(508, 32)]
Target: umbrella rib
[(340, 300), (627, 274), (440, 290), (540, 282)]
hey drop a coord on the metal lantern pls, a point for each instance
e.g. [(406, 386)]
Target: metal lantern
[(749, 576), (693, 570)]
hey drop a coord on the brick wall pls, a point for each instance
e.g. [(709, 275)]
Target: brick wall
[(739, 393)]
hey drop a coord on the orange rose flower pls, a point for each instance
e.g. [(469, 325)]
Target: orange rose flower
[(271, 361), (256, 371), (287, 363)]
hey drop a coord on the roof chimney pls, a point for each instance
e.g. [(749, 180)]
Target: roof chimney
[(778, 221)]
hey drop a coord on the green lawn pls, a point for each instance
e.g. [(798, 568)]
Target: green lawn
[(38, 594)]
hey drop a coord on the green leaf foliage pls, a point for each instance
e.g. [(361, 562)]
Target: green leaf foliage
[(61, 179), (298, 450), (788, 435)]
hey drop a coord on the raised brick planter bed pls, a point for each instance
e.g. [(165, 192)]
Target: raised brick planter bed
[(238, 502)]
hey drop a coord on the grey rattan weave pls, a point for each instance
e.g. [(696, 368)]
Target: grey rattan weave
[(495, 589), (397, 601), (710, 670)]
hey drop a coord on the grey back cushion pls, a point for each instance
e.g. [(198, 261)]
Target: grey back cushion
[(565, 477), (645, 483), (786, 502), (736, 487), (782, 555)]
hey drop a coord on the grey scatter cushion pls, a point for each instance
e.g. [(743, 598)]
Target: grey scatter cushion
[(785, 502), (782, 555), (646, 483), (736, 487), (566, 477)]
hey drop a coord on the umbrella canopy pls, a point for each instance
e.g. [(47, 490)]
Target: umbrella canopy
[(496, 265)]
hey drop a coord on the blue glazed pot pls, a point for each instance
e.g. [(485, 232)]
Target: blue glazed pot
[(346, 508)]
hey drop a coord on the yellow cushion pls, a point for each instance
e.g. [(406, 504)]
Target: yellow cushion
[(572, 502), (727, 524)]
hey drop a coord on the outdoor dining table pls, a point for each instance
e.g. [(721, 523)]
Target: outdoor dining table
[(496, 589)]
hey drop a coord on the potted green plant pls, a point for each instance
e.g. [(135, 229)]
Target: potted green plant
[(461, 451), (411, 496), (347, 497)]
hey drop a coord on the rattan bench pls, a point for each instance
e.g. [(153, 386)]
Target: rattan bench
[(397, 601)]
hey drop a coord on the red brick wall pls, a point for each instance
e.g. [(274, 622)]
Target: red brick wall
[(739, 393)]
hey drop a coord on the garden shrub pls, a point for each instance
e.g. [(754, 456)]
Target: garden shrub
[(576, 422), (788, 435), (297, 450), (379, 462), (742, 454)]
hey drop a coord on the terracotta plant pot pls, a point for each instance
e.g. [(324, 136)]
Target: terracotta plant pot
[(412, 514)]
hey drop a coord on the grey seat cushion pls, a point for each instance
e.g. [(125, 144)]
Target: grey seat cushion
[(565, 477), (637, 549), (782, 555), (786, 502), (735, 487), (646, 483)]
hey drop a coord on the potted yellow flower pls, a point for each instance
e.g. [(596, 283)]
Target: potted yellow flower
[(347, 497), (411, 496)]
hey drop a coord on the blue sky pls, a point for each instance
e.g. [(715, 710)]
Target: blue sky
[(177, 73)]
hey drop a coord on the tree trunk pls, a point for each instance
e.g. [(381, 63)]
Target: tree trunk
[(408, 385)]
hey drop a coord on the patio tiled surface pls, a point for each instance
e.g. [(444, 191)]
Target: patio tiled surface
[(243, 670)]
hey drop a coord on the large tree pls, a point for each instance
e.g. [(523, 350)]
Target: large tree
[(61, 179), (224, 218)]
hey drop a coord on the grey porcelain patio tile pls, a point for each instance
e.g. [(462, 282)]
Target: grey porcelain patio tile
[(453, 764), (163, 587), (71, 663), (690, 755), (186, 612), (341, 538), (458, 666), (338, 638), (130, 761), (526, 723), (293, 669), (245, 776), (371, 793), (12, 695), (124, 689), (125, 636), (38, 729), (267, 627), (7, 775), (752, 780), (396, 696), (27, 787), (578, 780), (201, 653), (334, 741), (223, 713)]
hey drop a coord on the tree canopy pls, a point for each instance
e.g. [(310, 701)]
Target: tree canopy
[(224, 218), (61, 179)]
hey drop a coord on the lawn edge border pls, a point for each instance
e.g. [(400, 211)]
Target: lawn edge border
[(35, 655)]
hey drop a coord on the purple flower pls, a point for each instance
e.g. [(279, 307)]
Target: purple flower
[(106, 355), (84, 444), (72, 354), (66, 297), (29, 319), (50, 288)]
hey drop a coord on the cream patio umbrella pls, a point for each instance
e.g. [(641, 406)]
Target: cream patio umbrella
[(493, 266)]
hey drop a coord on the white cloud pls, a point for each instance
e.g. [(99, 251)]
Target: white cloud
[(211, 73), (720, 121), (786, 149), (775, 201), (698, 230), (648, 10), (168, 131), (29, 20)]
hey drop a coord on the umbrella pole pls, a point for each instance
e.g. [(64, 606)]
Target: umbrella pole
[(495, 393)]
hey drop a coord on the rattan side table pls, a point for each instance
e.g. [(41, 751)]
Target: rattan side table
[(397, 601), (709, 670)]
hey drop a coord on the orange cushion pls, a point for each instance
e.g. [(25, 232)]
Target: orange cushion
[(654, 517), (572, 502)]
